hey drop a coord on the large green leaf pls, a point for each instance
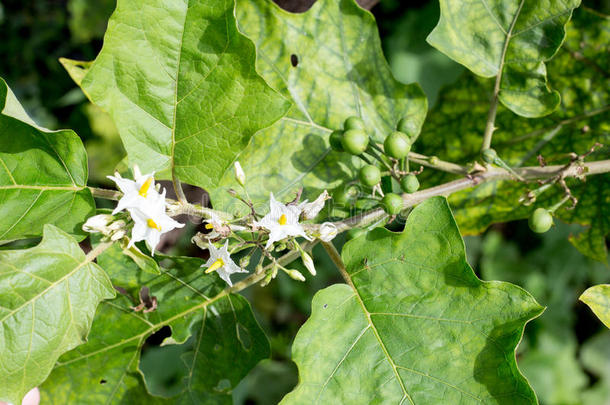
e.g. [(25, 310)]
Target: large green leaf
[(226, 341), (511, 38), (43, 175), (329, 62), (415, 325), (178, 80), (48, 297), (579, 72), (598, 299)]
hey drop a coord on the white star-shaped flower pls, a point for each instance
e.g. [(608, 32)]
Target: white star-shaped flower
[(151, 222), (220, 261), (282, 221), (136, 193)]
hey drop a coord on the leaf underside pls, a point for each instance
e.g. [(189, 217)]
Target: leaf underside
[(179, 81), (416, 326), (598, 299), (48, 297), (579, 72), (225, 339), (508, 38), (43, 176), (329, 63)]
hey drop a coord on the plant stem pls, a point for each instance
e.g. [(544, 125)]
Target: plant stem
[(490, 127), (335, 256), (440, 164), (105, 193), (179, 191)]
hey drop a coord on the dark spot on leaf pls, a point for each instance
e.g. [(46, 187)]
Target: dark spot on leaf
[(217, 347), (294, 60), (223, 385), (325, 305), (102, 381)]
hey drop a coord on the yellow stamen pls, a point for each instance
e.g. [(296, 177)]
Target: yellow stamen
[(152, 224), (282, 220), (209, 226), (215, 266), (144, 189)]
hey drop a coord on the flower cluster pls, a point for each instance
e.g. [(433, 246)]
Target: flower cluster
[(146, 206)]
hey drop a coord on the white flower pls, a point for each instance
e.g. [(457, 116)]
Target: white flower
[(308, 262), (135, 193), (240, 176), (328, 231), (151, 222), (220, 261), (98, 223), (312, 209), (281, 221)]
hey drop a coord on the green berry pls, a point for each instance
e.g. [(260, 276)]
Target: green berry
[(344, 196), (354, 123), (407, 127), (392, 203), (489, 156), (397, 145), (335, 140), (355, 141), (370, 175), (541, 220), (409, 183)]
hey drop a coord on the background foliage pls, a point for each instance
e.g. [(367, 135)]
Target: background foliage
[(563, 350)]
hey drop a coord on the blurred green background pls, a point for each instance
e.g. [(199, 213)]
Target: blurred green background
[(565, 353)]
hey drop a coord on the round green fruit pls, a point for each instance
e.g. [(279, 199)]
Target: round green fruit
[(355, 141), (344, 196), (541, 220), (407, 127), (369, 175), (409, 183), (397, 145), (335, 140), (353, 123), (392, 203)]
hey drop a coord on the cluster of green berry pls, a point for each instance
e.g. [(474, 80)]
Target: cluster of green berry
[(354, 139)]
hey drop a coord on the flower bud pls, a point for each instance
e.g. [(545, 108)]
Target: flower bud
[(312, 209), (244, 261), (117, 235), (328, 231), (98, 223), (240, 176), (295, 275), (308, 262)]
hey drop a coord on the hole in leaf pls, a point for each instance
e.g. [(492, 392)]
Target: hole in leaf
[(244, 337), (102, 381), (159, 336), (294, 60)]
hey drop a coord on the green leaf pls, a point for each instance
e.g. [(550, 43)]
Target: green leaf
[(414, 325), (43, 175), (178, 80), (340, 72), (48, 297), (509, 38), (598, 299), (225, 339), (579, 73)]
